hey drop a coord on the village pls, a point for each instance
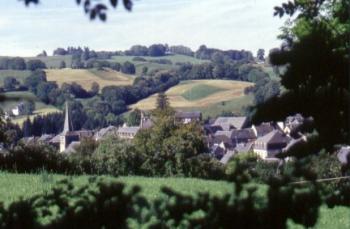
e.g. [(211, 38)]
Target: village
[(225, 136)]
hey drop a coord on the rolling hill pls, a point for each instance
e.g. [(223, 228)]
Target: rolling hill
[(40, 107), (85, 77), (198, 94)]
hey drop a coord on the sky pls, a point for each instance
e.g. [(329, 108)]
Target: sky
[(224, 24)]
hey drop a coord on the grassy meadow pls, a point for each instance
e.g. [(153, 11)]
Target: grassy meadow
[(14, 186), (18, 75), (27, 185), (198, 94), (153, 66), (236, 106), (53, 61), (40, 107), (85, 77)]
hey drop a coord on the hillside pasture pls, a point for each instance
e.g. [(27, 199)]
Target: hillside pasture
[(40, 107), (153, 66), (173, 58), (227, 90), (85, 77), (53, 61), (17, 74), (235, 106)]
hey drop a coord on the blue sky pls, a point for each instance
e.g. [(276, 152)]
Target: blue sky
[(225, 24)]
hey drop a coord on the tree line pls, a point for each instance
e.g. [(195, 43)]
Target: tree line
[(18, 63)]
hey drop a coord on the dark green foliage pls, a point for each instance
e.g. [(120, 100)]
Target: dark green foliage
[(32, 81), (28, 107), (99, 204), (35, 64), (128, 68), (33, 158), (162, 101), (161, 61), (137, 50), (16, 63), (261, 55), (134, 118), (140, 59), (316, 56), (10, 83), (62, 65), (157, 50), (181, 50)]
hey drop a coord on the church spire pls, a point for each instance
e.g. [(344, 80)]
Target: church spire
[(67, 126)]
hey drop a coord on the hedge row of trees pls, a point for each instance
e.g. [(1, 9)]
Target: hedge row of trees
[(18, 63), (50, 93)]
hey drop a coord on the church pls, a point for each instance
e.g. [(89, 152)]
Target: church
[(69, 138)]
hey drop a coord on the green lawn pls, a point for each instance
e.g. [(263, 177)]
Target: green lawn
[(200, 91)]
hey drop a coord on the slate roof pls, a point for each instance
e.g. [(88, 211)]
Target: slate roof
[(104, 132), (130, 130), (263, 129), (228, 123), (274, 137), (244, 148), (45, 137), (227, 133), (55, 139), (243, 134)]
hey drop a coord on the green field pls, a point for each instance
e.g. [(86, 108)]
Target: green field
[(229, 90), (235, 106), (40, 107), (86, 77), (27, 185), (200, 91), (15, 186), (19, 75), (153, 66), (53, 61)]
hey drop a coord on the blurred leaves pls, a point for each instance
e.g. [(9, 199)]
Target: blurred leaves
[(94, 8)]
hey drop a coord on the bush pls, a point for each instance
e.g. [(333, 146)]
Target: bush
[(99, 204), (140, 59), (128, 68), (35, 158)]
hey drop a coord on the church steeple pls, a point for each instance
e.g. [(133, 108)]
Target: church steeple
[(67, 121)]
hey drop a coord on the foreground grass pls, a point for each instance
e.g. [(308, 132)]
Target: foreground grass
[(14, 186)]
